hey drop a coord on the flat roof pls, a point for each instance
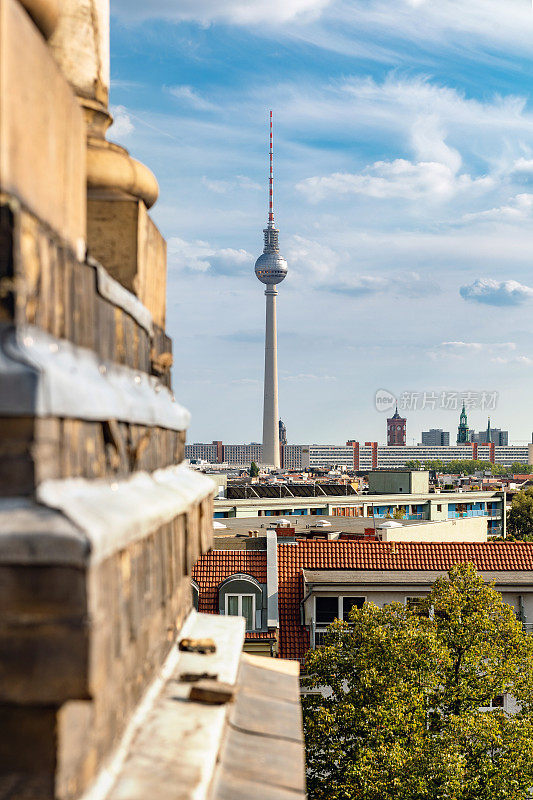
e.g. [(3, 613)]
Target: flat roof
[(356, 500)]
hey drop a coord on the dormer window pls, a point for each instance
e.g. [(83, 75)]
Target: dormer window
[(241, 595), (242, 605)]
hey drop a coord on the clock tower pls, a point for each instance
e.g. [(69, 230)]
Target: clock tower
[(396, 430)]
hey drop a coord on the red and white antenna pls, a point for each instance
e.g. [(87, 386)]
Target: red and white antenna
[(271, 181)]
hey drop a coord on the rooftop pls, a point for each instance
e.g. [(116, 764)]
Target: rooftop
[(293, 559)]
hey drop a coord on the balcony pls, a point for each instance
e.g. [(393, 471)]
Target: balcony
[(471, 513)]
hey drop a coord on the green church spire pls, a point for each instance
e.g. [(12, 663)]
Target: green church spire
[(463, 434)]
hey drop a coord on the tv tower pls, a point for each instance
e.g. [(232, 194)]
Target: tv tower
[(271, 268)]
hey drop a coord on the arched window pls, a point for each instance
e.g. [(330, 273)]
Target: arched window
[(241, 595)]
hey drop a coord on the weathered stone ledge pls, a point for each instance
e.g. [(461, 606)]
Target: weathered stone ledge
[(42, 376), (110, 168)]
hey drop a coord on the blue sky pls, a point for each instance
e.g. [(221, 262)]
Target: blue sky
[(404, 197)]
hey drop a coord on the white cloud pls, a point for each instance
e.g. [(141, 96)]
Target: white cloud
[(396, 179), (199, 256), (448, 24), (496, 293), (523, 166), (311, 260), (429, 144), (239, 12), (519, 208), (192, 98), (122, 124)]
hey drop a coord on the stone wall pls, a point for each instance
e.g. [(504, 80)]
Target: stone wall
[(100, 522)]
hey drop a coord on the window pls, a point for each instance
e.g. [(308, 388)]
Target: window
[(242, 605), (415, 604), (331, 608), (439, 506), (350, 602), (327, 609), (496, 702)]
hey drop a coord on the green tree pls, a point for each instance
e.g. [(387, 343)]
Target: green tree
[(413, 464), (254, 470), (520, 516), (517, 468), (395, 709), (437, 465)]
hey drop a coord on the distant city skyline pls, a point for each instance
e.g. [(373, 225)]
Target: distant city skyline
[(405, 196)]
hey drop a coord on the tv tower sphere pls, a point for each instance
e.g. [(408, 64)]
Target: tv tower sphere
[(271, 267)]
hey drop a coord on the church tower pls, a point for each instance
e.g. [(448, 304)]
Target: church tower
[(396, 430), (463, 434)]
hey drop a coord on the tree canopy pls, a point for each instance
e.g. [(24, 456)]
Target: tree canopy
[(469, 466), (398, 700), (520, 516), (254, 470)]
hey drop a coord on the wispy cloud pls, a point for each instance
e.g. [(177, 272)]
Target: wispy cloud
[(466, 350), (521, 361), (496, 293), (517, 209), (122, 122), (192, 98), (407, 284), (239, 12), (199, 256), (396, 179), (241, 182)]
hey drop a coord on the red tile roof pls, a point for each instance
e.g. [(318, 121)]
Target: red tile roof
[(217, 565), (360, 555)]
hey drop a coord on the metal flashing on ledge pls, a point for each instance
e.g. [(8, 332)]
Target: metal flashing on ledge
[(33, 535), (43, 376), (182, 749), (114, 514), (171, 744), (113, 291)]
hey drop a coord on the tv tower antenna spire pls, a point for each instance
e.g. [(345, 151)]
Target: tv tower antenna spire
[(271, 182), (271, 268)]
